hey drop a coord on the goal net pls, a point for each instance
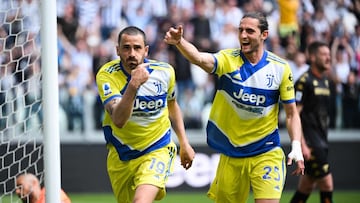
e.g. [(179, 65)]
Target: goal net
[(21, 147)]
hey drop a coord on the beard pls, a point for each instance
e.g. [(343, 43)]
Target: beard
[(132, 63), (322, 66), (250, 48)]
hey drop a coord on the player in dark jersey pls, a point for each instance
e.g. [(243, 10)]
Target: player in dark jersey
[(313, 99)]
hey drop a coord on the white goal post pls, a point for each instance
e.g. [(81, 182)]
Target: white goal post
[(29, 101)]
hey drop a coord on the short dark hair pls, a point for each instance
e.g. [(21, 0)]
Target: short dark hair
[(314, 47), (261, 17), (132, 30)]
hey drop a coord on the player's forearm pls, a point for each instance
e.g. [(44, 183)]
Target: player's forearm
[(293, 122), (177, 122), (179, 128), (293, 125), (191, 53), (123, 109)]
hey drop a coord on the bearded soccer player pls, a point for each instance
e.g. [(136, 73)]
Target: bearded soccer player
[(313, 99), (140, 108)]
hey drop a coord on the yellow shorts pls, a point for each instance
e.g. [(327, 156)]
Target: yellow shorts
[(152, 168), (264, 174)]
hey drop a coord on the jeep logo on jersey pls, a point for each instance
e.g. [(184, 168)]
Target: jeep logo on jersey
[(150, 105), (247, 97)]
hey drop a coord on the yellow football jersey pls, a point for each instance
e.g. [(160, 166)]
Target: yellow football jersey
[(148, 128), (244, 116)]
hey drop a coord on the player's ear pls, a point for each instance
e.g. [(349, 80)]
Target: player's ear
[(146, 50), (265, 34), (118, 50)]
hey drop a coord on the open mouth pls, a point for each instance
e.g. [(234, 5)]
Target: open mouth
[(245, 44)]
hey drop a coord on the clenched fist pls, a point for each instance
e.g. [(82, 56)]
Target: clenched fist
[(139, 75)]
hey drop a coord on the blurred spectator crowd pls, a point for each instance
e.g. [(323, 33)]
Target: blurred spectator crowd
[(88, 31)]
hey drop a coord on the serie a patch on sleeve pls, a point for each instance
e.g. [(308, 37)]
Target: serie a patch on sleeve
[(106, 89)]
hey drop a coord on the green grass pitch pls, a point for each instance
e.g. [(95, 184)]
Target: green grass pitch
[(200, 197)]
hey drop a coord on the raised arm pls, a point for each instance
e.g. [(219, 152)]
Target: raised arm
[(174, 36)]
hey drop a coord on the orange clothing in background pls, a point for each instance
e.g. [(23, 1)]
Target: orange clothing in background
[(63, 196)]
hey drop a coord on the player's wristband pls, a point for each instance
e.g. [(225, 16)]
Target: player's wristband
[(296, 152)]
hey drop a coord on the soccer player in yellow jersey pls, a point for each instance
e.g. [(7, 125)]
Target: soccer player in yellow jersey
[(243, 122), (140, 108)]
